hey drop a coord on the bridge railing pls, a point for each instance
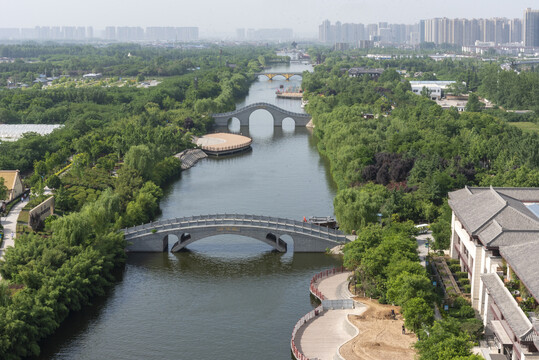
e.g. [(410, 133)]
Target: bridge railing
[(259, 104), (240, 219)]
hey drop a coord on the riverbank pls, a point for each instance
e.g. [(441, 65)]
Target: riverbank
[(321, 333), (190, 157), (347, 327)]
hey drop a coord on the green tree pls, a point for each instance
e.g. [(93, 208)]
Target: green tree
[(444, 340), (407, 286), (473, 104), (140, 158), (418, 314), (54, 182), (357, 207)]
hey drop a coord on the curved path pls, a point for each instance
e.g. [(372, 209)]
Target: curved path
[(322, 337)]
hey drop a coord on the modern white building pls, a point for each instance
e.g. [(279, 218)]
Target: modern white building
[(435, 88), (495, 235)]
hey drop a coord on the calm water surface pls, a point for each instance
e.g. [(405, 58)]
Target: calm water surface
[(229, 297)]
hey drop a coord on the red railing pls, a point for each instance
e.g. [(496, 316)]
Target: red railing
[(313, 288)]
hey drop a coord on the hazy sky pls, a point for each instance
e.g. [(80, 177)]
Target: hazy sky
[(214, 16)]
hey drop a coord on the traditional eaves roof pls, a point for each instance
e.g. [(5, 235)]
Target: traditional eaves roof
[(9, 178), (500, 219), (524, 261), (513, 314), (474, 210)]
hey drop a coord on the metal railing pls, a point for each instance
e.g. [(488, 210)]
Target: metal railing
[(258, 221), (313, 313), (258, 105), (313, 287)]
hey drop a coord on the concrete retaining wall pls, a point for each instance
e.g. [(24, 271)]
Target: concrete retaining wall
[(43, 210)]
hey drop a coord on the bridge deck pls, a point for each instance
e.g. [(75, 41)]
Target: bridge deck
[(266, 222)]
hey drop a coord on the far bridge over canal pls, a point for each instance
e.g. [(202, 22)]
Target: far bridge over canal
[(286, 75), (278, 114), (307, 237)]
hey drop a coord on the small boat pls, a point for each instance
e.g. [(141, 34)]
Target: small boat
[(327, 221)]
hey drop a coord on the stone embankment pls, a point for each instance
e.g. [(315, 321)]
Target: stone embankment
[(190, 157)]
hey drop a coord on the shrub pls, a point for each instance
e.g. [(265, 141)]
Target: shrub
[(454, 268), (467, 289), (461, 274)]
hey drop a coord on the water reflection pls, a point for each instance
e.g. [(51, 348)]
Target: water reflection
[(229, 297)]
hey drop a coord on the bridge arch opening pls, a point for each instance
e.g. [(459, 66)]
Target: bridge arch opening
[(229, 245), (233, 125), (289, 125), (261, 124)]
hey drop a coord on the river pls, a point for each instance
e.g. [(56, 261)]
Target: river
[(228, 297)]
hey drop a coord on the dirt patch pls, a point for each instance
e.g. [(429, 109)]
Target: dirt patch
[(380, 334)]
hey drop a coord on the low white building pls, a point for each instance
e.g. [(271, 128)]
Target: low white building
[(495, 235), (13, 132), (435, 88)]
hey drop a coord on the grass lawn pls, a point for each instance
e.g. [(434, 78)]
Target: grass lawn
[(526, 126), (24, 217)]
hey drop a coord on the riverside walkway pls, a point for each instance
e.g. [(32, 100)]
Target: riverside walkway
[(322, 337), (10, 227)]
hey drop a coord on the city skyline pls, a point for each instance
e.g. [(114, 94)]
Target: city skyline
[(221, 19)]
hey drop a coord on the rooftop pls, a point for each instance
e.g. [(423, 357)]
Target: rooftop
[(504, 218), (515, 317), (15, 132), (9, 178)]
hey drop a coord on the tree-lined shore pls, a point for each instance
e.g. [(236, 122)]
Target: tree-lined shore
[(395, 155)]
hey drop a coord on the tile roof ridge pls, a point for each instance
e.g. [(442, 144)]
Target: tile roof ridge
[(498, 196), (497, 224), (534, 219), (492, 218), (520, 313)]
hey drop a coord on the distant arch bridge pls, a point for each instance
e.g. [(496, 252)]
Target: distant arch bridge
[(286, 75), (278, 114), (307, 237)]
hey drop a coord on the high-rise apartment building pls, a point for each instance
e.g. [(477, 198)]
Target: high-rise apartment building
[(466, 32), (531, 27), (515, 31), (349, 33)]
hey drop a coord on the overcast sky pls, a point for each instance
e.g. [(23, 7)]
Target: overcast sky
[(224, 16)]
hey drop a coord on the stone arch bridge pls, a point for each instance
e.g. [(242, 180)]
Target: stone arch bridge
[(278, 114), (154, 236), (286, 75)]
